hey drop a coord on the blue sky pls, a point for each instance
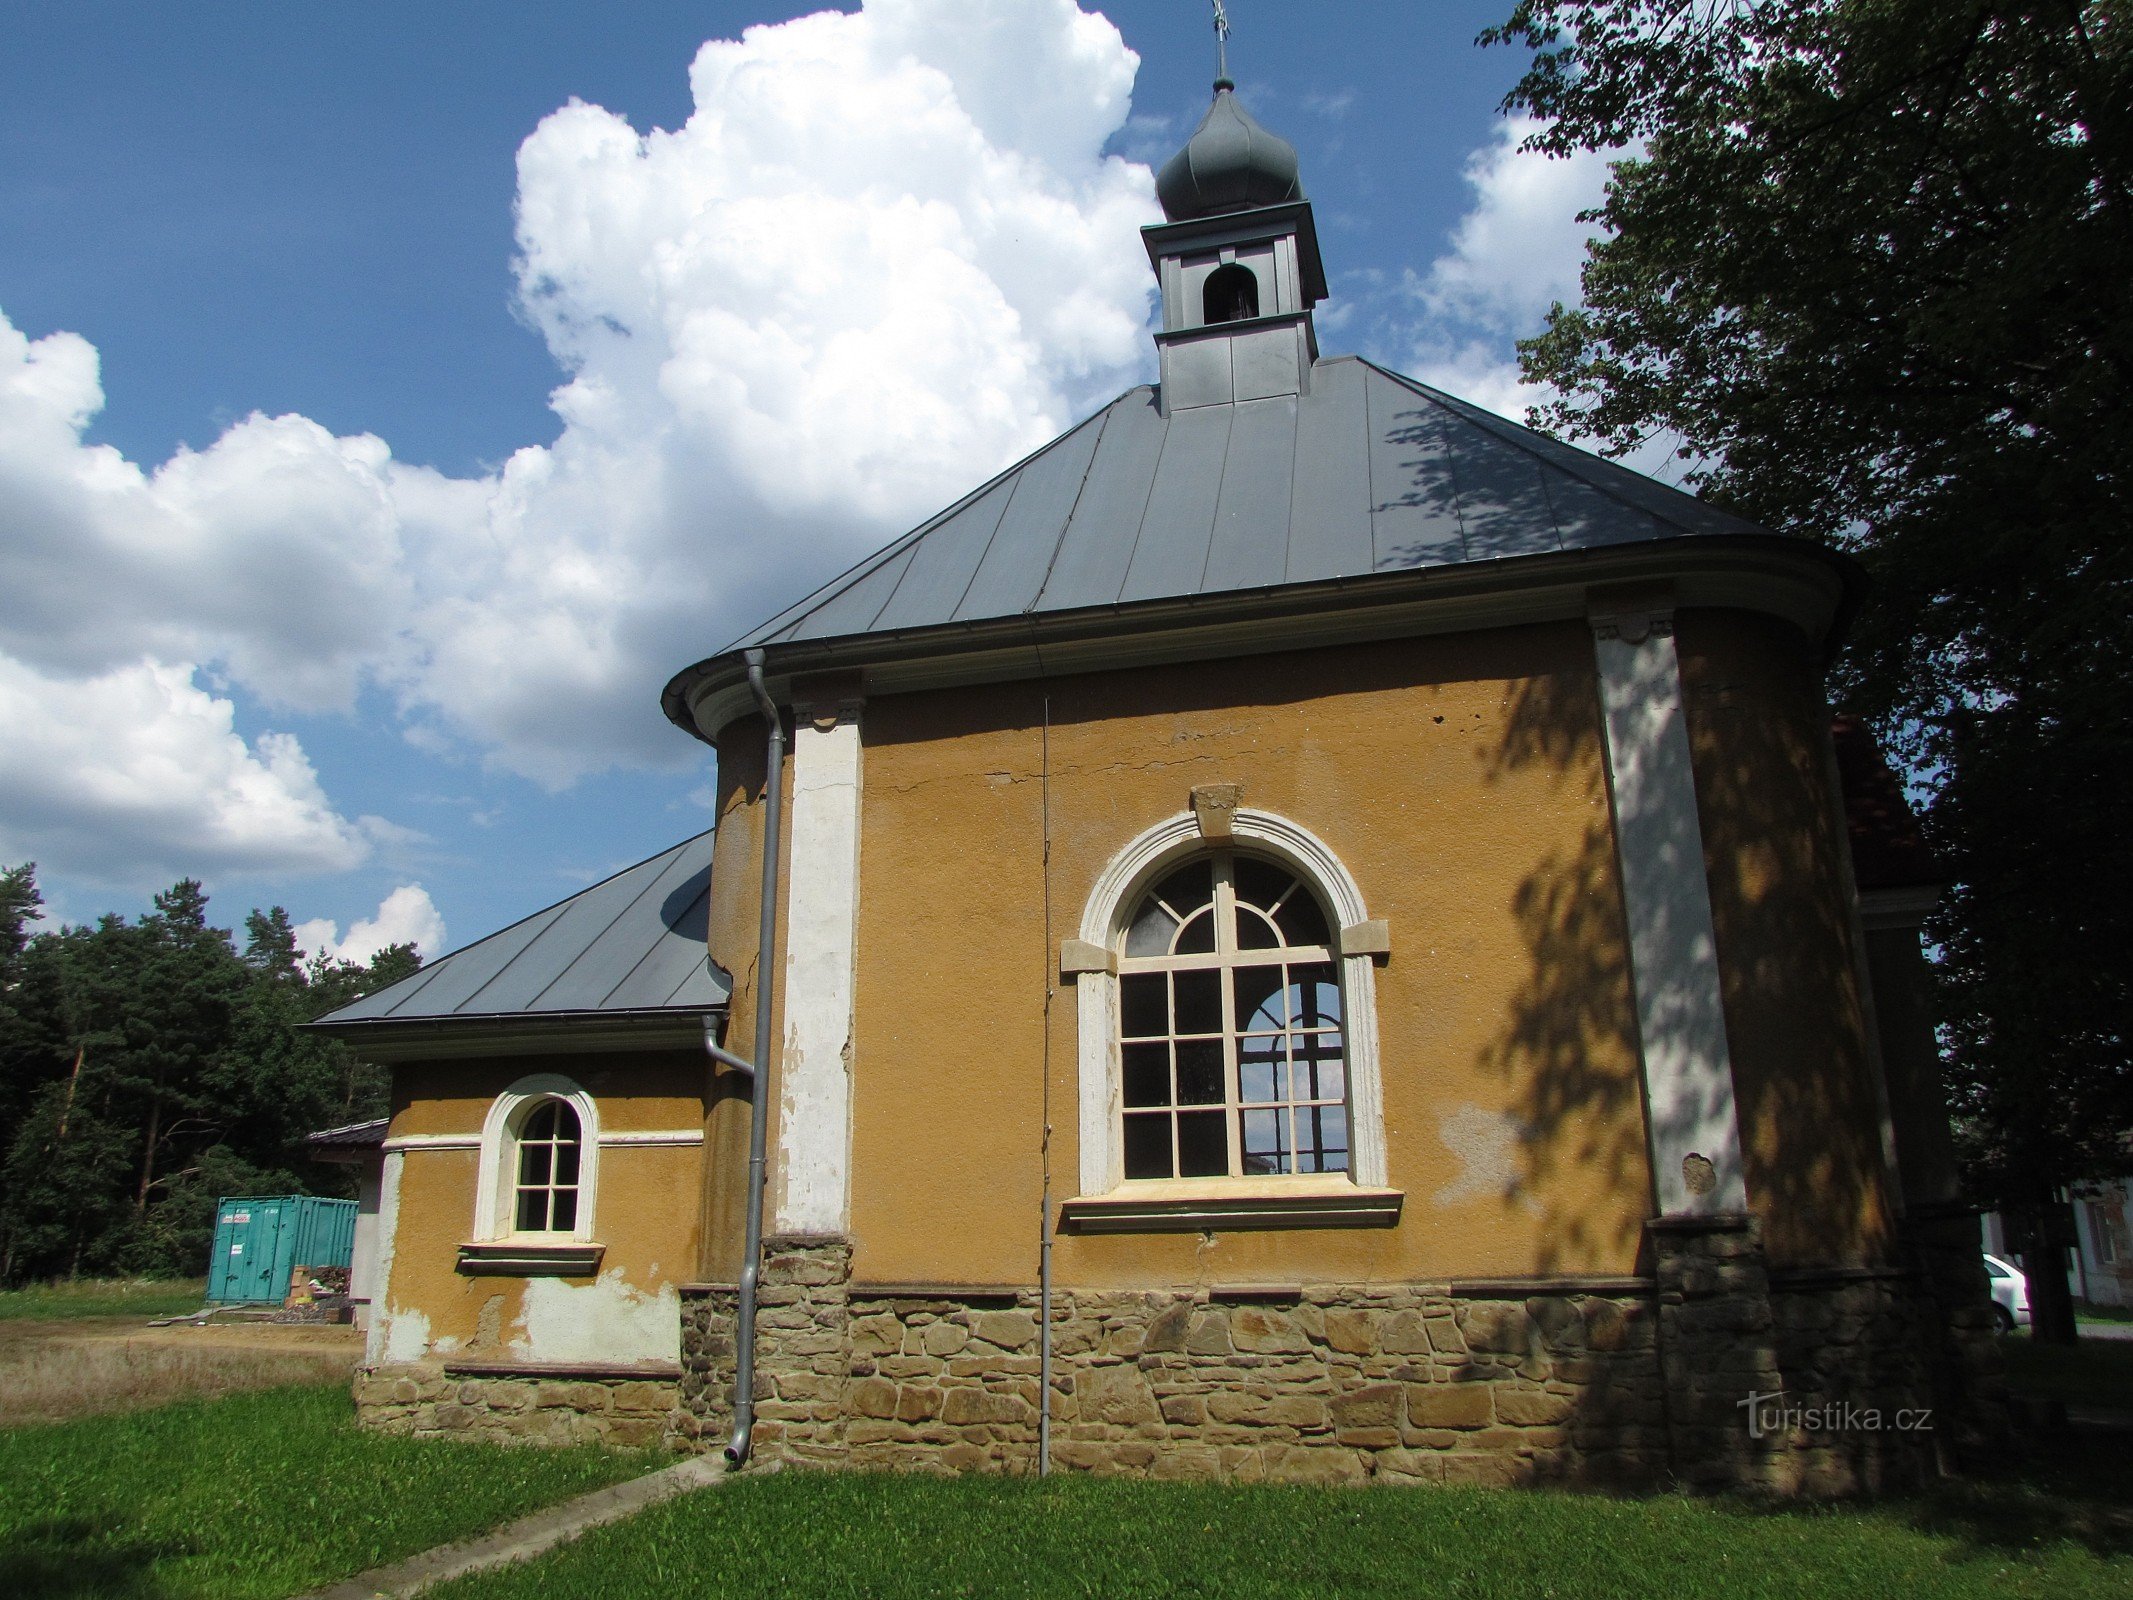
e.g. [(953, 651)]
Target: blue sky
[(392, 397)]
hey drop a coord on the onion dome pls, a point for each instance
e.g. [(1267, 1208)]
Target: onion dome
[(1229, 164)]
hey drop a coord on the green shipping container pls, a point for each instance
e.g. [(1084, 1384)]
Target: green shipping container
[(261, 1239)]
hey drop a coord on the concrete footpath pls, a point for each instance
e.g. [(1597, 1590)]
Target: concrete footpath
[(529, 1536)]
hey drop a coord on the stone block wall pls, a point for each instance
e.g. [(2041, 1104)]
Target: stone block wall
[(1719, 1346), (625, 1410), (1632, 1383), (1346, 1383), (1635, 1384), (1857, 1340), (1329, 1383)]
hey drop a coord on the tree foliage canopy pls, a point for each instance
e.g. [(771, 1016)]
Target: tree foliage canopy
[(1865, 262), (147, 1069)]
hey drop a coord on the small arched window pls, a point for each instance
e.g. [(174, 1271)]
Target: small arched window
[(1230, 295), (1232, 1049), (540, 1162), (549, 1143)]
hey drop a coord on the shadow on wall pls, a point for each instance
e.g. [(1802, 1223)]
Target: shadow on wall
[(1568, 1046), (1776, 856), (1794, 1022)]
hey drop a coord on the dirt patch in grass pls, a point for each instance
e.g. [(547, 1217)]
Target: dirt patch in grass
[(50, 1371)]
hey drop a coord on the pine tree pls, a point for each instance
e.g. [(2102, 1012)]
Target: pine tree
[(148, 1069)]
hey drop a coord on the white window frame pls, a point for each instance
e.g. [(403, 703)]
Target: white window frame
[(496, 1185), (1117, 891)]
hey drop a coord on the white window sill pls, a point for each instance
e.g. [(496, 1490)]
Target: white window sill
[(1225, 1205), (531, 1256)]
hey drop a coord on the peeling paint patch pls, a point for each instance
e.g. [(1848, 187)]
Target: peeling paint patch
[(1487, 1143), (407, 1335), (605, 1320), (489, 1326)]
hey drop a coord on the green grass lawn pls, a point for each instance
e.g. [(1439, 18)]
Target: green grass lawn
[(262, 1494), (105, 1297), (842, 1537), (2095, 1372)]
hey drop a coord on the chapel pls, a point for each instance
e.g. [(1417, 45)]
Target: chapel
[(1302, 931)]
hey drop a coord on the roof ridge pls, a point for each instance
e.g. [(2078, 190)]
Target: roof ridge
[(1451, 471), (1140, 523), (1550, 451), (1214, 512), (1073, 506)]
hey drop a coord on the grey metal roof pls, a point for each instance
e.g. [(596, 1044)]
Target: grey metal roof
[(1370, 472), (350, 1135), (631, 944)]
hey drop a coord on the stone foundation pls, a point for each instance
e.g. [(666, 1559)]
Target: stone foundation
[(624, 1408), (1626, 1382), (1325, 1384), (1870, 1379)]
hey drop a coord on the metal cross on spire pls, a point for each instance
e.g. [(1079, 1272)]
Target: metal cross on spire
[(1221, 43)]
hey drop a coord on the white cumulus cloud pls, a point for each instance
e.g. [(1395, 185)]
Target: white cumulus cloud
[(1517, 250), (406, 916), (132, 775), (883, 256), (275, 551)]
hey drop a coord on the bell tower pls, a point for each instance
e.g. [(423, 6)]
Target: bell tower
[(1238, 263)]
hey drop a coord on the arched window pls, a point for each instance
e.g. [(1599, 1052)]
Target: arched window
[(1232, 1062), (1231, 294), (550, 1141), (540, 1147), (1225, 991)]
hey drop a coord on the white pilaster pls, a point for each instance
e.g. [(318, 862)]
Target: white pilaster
[(378, 1334), (1688, 1074), (821, 923)]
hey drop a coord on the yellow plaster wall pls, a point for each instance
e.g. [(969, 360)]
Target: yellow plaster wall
[(1775, 850), (1462, 783), (647, 1208)]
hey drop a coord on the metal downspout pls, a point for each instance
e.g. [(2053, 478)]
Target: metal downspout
[(759, 1096)]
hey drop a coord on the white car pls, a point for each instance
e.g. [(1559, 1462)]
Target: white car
[(2010, 1294)]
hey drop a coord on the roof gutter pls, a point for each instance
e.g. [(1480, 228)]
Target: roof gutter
[(758, 1094), (1809, 585)]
